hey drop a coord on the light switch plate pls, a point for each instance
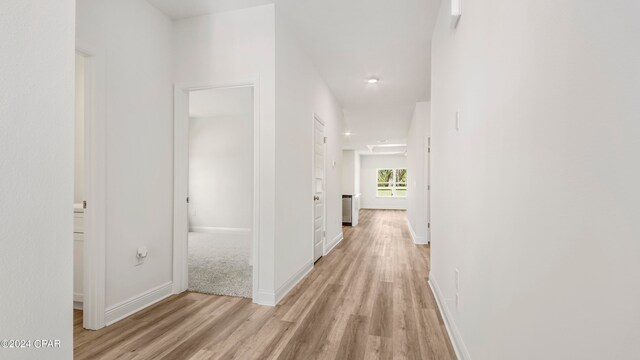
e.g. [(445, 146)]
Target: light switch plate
[(456, 12)]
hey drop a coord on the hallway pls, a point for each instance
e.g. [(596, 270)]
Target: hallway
[(367, 299)]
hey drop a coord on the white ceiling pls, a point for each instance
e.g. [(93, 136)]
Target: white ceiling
[(221, 102), (384, 149), (350, 41)]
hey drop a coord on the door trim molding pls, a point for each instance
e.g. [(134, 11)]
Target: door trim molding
[(315, 118), (427, 185), (94, 249), (181, 186)]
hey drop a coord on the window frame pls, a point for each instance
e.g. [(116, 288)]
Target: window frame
[(393, 184)]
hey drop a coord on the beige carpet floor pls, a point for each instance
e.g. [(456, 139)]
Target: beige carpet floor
[(219, 264)]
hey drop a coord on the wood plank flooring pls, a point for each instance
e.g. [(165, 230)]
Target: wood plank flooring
[(368, 299)]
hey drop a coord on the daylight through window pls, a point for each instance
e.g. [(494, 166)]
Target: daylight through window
[(392, 183)]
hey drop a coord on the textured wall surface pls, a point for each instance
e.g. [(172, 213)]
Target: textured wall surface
[(36, 181)]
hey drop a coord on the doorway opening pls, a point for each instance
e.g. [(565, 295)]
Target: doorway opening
[(215, 168), (89, 205)]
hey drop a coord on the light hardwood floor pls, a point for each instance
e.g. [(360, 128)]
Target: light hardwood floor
[(368, 299)]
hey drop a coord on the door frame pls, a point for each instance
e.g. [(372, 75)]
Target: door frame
[(427, 187), (181, 176), (313, 186), (95, 143)]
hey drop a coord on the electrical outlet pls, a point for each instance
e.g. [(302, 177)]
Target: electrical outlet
[(141, 255)]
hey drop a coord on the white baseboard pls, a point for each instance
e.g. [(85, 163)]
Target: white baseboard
[(419, 240), (283, 290), (456, 339), (333, 243), (137, 303), (219, 230), (78, 297), (383, 208), (78, 300), (265, 297)]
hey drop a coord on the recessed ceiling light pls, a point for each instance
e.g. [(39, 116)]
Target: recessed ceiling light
[(373, 80), (348, 133)]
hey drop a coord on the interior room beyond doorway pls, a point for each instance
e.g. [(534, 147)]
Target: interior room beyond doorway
[(221, 191)]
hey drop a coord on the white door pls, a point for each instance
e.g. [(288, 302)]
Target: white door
[(318, 183)]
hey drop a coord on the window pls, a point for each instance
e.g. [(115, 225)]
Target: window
[(392, 183)]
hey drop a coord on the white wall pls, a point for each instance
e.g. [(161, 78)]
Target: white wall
[(36, 186), (78, 168), (227, 48), (241, 45), (350, 172), (357, 161), (369, 165), (135, 40), (535, 199), (301, 92), (221, 172), (416, 171)]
